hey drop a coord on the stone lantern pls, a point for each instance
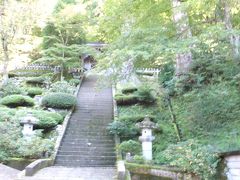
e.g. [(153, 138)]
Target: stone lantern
[(147, 126), (28, 122)]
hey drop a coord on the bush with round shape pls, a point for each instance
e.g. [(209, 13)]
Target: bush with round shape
[(46, 119), (17, 100), (35, 80), (59, 100), (33, 91)]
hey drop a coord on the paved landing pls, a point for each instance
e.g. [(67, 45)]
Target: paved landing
[(63, 173), (7, 173)]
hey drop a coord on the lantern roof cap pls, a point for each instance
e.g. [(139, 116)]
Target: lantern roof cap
[(29, 119), (146, 124)]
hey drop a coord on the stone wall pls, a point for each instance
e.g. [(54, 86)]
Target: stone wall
[(148, 172)]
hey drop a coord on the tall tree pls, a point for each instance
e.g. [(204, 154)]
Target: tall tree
[(180, 17), (234, 38), (13, 15), (63, 36), (8, 27)]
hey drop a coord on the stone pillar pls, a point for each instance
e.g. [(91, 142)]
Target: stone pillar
[(233, 166), (146, 125)]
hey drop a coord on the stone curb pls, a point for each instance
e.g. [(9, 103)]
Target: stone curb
[(35, 166)]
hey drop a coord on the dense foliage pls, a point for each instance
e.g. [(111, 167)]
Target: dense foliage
[(190, 156), (17, 100), (59, 100), (63, 87)]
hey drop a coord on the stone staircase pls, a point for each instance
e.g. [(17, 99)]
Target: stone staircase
[(86, 142)]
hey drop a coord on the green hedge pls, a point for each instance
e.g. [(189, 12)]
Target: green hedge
[(46, 119), (128, 90), (17, 100), (33, 91), (135, 118), (59, 100), (35, 80), (126, 99), (27, 73)]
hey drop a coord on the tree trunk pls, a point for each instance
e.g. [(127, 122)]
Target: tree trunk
[(233, 38), (183, 60), (5, 61)]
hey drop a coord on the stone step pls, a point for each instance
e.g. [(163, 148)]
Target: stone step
[(86, 142), (82, 134), (86, 158), (95, 152), (84, 163), (86, 131), (99, 147), (88, 138), (81, 124)]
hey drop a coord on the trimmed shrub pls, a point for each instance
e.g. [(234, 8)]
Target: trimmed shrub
[(17, 100), (46, 119), (126, 99), (62, 87), (129, 90), (74, 82), (6, 114), (59, 100), (33, 91), (35, 80), (27, 73)]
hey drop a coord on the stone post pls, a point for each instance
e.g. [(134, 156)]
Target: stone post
[(147, 126)]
